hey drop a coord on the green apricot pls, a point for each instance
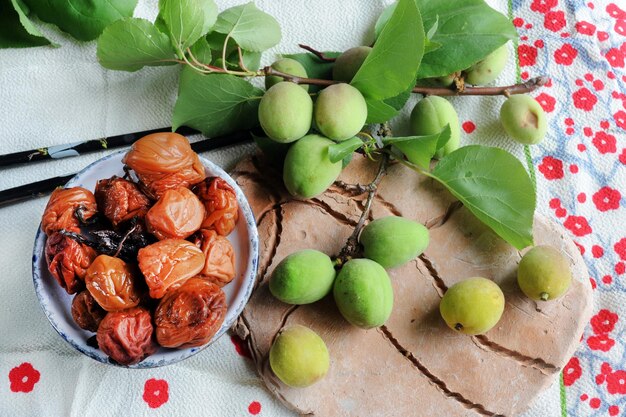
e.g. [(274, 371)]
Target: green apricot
[(348, 64), (299, 357), (544, 273), (430, 116), (363, 293), (303, 277), (340, 111), (472, 306), (285, 112), (287, 66), (523, 119), (490, 68), (393, 241), (275, 152), (308, 170)]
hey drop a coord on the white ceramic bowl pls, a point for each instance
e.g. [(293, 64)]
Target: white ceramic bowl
[(56, 303)]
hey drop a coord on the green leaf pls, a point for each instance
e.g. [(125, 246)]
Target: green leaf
[(339, 151), (16, 30), (251, 60), (493, 185), (131, 43), (215, 104), (467, 30), (83, 19), (186, 21), (420, 150), (380, 111), (201, 51), (252, 29), (383, 19), (315, 67)]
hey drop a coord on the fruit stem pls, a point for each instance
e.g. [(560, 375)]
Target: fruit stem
[(544, 296), (523, 88), (317, 53)]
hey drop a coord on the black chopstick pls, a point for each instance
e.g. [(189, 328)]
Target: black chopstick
[(41, 188)]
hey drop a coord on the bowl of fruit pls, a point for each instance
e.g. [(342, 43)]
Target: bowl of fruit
[(146, 257)]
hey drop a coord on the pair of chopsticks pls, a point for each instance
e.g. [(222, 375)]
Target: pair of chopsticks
[(41, 188)]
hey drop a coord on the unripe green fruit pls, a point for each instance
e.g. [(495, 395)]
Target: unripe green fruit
[(287, 66), (299, 357), (430, 116), (490, 68), (523, 119), (285, 112), (340, 111), (363, 293), (443, 81), (303, 277), (393, 241), (472, 306), (348, 64), (308, 170), (544, 273), (275, 152)]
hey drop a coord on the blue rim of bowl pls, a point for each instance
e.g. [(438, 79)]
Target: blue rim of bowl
[(250, 278)]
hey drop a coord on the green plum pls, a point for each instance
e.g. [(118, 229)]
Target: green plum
[(285, 112), (363, 293), (472, 306), (307, 170), (544, 273), (275, 152), (430, 115), (340, 111), (392, 241), (348, 64), (523, 119), (287, 66), (490, 68), (299, 357), (303, 277)]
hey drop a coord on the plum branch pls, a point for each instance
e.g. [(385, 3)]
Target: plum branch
[(317, 53)]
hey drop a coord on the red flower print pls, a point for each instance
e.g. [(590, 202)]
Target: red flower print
[(597, 251), (551, 168), (620, 119), (584, 99), (565, 55), (604, 142), (595, 403), (254, 408), (585, 28), (572, 371), (156, 392), (578, 225), (606, 368), (613, 410), (616, 382), (622, 156), (518, 22), (615, 11), (240, 346), (620, 249), (620, 27), (604, 322), (543, 6), (23, 378), (554, 21), (546, 101), (469, 127), (615, 58), (601, 342), (607, 199), (527, 55)]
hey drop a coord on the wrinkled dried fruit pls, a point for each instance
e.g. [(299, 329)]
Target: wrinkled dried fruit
[(126, 336), (219, 264), (303, 277), (348, 63), (190, 315), (308, 170), (68, 261), (363, 293), (164, 161), (340, 111), (286, 66), (285, 112), (112, 283), (120, 200), (472, 306), (523, 119), (61, 210), (220, 203), (86, 312), (177, 215), (168, 264), (299, 357), (430, 115), (487, 70), (544, 273)]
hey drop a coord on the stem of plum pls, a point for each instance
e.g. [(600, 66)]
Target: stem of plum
[(317, 53)]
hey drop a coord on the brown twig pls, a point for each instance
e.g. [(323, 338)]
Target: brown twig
[(295, 79), (523, 88), (317, 53)]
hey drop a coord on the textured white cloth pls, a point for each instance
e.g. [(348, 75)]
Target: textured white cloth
[(54, 96)]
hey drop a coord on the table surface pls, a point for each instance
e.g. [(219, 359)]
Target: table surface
[(54, 96)]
